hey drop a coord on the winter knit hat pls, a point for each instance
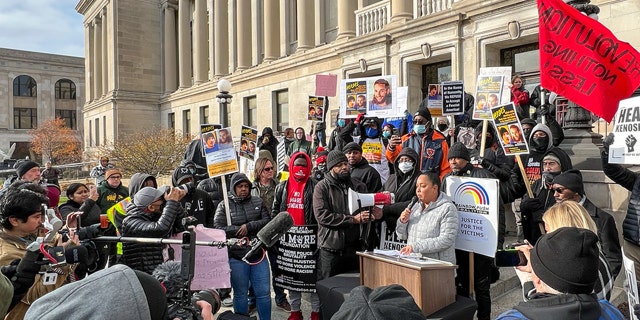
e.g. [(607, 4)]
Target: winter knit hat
[(111, 172), (334, 157), (567, 260), (458, 150), (572, 180), (351, 146), (552, 157), (180, 174), (25, 166), (424, 112), (388, 302)]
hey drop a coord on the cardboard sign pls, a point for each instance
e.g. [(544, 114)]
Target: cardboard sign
[(296, 259), (248, 140), (627, 132), (509, 129), (452, 98), (389, 239), (477, 203), (488, 91), (212, 269), (374, 95), (326, 85), (505, 72), (221, 159)]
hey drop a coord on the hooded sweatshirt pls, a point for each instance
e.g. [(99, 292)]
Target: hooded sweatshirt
[(298, 178), (271, 145), (127, 301), (403, 185), (301, 145), (532, 162)]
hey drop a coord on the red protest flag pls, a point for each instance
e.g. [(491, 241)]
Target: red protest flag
[(583, 61)]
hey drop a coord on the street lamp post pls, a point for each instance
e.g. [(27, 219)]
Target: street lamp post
[(224, 98)]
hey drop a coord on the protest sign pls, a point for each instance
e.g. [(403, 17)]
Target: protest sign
[(326, 85), (505, 72), (281, 152), (452, 98), (316, 108), (212, 263), (221, 159), (477, 203), (374, 95), (627, 131), (248, 140), (488, 91), (389, 239), (296, 259), (434, 100), (632, 288), (512, 140)]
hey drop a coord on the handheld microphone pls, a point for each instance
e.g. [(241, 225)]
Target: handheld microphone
[(270, 233), (79, 255), (413, 202)]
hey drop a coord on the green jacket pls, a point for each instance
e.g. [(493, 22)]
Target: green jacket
[(108, 196)]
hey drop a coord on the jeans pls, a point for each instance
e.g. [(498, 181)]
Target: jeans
[(322, 137), (243, 273)]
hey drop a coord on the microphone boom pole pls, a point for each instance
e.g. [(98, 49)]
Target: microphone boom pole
[(218, 244)]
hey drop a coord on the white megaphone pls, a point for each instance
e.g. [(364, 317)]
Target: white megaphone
[(361, 200)]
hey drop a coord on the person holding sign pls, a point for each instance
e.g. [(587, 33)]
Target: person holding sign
[(430, 144), (519, 96), (430, 226), (295, 196), (484, 270)]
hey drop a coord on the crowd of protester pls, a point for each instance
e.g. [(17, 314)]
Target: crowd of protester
[(412, 156)]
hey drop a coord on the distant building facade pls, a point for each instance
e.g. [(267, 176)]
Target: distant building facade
[(157, 62), (35, 87)]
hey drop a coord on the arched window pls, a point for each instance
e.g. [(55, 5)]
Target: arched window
[(65, 89), (24, 86)]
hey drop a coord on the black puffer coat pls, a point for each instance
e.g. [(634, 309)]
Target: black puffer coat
[(403, 185), (145, 256), (631, 181), (249, 211)]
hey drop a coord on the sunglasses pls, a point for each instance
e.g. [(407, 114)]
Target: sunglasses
[(268, 169), (559, 190)]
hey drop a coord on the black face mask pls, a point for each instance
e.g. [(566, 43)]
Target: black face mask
[(540, 143), (526, 132), (442, 127)]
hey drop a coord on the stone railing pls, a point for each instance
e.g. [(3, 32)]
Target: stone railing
[(373, 17), (429, 7)]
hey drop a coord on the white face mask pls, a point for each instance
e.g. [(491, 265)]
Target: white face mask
[(405, 166)]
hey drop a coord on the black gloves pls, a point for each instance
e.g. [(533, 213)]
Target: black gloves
[(607, 142)]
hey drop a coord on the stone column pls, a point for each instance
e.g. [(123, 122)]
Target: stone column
[(305, 24), (271, 30), (97, 57), (401, 10), (346, 18), (88, 62), (105, 52), (200, 41), (170, 66), (243, 25), (320, 26), (221, 37), (184, 43)]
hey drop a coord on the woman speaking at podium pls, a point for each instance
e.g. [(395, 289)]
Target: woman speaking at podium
[(430, 224)]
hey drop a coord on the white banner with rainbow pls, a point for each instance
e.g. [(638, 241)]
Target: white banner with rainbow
[(477, 203)]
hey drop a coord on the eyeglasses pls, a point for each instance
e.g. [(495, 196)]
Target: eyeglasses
[(268, 169), (115, 177), (559, 190)]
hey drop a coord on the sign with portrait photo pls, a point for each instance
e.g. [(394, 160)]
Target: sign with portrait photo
[(248, 137), (222, 160), (488, 92), (315, 111), (477, 203), (434, 99), (512, 140), (374, 95)]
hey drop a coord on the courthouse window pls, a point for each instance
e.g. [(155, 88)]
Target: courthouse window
[(24, 86), (69, 117), (65, 89), (282, 110), (25, 118), (435, 73), (251, 111)]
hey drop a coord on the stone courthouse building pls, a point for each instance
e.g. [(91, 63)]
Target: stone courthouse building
[(35, 87), (158, 62)]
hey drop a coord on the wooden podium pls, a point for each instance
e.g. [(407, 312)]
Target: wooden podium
[(431, 284)]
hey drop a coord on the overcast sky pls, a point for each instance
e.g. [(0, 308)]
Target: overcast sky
[(50, 26)]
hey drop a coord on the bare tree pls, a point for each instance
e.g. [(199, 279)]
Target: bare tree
[(153, 151), (56, 142)]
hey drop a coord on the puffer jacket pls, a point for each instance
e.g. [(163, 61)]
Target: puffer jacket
[(563, 306), (432, 231), (249, 211), (432, 148), (403, 185), (89, 208), (631, 181), (281, 194), (367, 174), (145, 256), (331, 208)]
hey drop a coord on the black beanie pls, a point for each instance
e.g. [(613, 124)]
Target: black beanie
[(25, 166), (334, 157), (458, 150), (567, 260), (352, 146), (424, 112), (180, 174), (572, 180), (155, 295)]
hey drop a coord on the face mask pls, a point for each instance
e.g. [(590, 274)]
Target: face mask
[(341, 123), (548, 176), (442, 127), (540, 144), (371, 132), (386, 134), (300, 172), (526, 132), (419, 128), (322, 167), (405, 166)]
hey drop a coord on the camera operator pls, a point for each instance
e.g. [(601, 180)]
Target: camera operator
[(147, 218), (21, 217), (196, 202), (138, 296)]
